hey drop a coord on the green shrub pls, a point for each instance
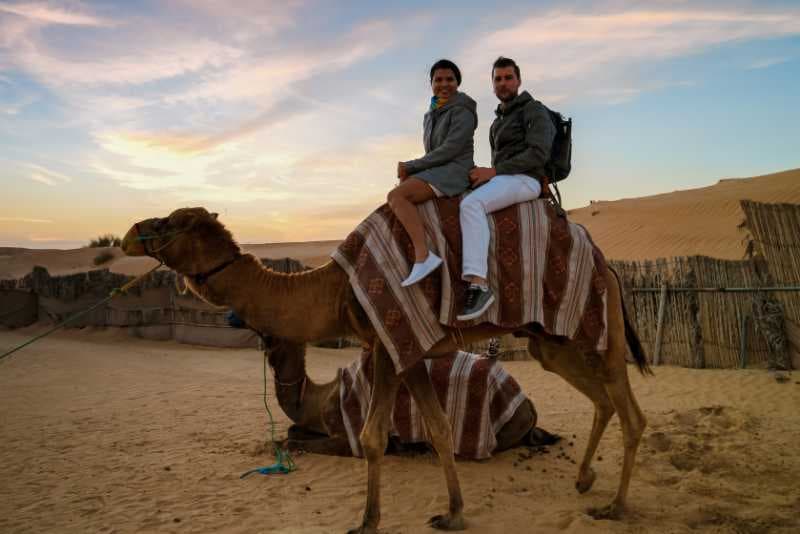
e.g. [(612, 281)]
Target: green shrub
[(107, 240)]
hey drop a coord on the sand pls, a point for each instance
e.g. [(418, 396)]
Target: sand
[(17, 262), (696, 221), (684, 223), (105, 433)]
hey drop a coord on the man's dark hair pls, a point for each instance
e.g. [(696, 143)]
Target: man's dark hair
[(446, 64), (503, 62)]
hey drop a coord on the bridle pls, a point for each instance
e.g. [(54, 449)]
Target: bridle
[(198, 278), (146, 238)]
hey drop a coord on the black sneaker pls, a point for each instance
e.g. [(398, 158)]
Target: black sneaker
[(476, 303)]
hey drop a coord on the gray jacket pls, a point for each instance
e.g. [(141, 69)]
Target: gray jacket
[(449, 138), (522, 137)]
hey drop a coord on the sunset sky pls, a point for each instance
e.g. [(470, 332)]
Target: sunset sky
[(288, 117)]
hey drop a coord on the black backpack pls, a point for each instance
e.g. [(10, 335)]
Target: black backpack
[(561, 154)]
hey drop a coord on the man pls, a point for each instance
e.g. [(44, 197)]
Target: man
[(521, 138)]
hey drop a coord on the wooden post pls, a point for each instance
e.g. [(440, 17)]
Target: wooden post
[(662, 305), (743, 340)]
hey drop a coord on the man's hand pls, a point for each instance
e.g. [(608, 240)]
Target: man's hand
[(480, 175), (402, 172)]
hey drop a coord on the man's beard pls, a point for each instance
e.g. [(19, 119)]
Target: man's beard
[(508, 98)]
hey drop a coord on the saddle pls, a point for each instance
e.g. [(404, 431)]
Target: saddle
[(544, 270)]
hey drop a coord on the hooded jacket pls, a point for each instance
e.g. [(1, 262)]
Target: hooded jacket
[(522, 137), (449, 139)]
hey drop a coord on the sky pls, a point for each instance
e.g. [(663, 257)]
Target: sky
[(288, 118)]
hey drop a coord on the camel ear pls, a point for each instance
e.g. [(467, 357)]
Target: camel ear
[(215, 215)]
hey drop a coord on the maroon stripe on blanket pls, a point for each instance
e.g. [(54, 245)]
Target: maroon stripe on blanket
[(399, 233), (508, 390), (449, 210), (476, 396), (509, 264), (351, 247), (440, 378), (432, 284), (394, 318), (592, 321), (559, 248)]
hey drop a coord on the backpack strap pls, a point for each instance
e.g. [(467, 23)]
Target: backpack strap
[(547, 193)]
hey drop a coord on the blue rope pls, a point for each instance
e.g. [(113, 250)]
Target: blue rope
[(283, 460)]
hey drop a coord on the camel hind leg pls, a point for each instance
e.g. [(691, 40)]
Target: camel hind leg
[(604, 379), (618, 387), (633, 423), (570, 365)]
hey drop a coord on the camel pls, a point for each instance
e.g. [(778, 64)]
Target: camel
[(314, 408), (320, 304)]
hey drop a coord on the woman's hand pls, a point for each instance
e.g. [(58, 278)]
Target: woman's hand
[(480, 175), (402, 172)]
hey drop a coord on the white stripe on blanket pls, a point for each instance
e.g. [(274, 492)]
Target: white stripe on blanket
[(461, 367)]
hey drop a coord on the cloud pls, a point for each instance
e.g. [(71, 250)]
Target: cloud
[(564, 47), (25, 220), (46, 176), (151, 61), (267, 79), (769, 62), (14, 108), (191, 143), (618, 95), (43, 13)]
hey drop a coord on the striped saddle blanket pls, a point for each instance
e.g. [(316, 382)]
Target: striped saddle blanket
[(476, 393), (542, 269)]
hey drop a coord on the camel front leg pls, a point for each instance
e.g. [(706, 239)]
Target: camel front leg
[(418, 382), (375, 434)]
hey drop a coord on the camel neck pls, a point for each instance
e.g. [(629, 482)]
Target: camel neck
[(301, 399), (304, 306)]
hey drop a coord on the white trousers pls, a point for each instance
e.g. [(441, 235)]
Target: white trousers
[(498, 193)]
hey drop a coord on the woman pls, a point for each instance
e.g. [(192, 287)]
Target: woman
[(449, 127)]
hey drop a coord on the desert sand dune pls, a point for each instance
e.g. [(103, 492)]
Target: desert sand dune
[(17, 262), (105, 433), (695, 221), (683, 223)]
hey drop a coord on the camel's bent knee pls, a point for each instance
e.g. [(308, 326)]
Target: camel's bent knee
[(372, 444)]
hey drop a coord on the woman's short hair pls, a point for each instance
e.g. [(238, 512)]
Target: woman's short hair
[(446, 64)]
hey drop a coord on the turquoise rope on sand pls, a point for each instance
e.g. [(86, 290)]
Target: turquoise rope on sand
[(283, 460)]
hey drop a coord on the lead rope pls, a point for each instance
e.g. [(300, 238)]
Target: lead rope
[(114, 292), (283, 460)]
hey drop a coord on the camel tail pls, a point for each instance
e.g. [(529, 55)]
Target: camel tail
[(631, 336)]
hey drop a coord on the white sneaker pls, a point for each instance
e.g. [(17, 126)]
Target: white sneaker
[(421, 270)]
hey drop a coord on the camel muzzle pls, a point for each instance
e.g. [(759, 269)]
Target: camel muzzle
[(131, 244)]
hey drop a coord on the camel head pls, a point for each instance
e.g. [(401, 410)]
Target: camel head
[(189, 241)]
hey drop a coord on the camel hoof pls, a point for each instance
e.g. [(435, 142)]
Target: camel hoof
[(612, 511), (363, 530), (446, 522), (585, 481)]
